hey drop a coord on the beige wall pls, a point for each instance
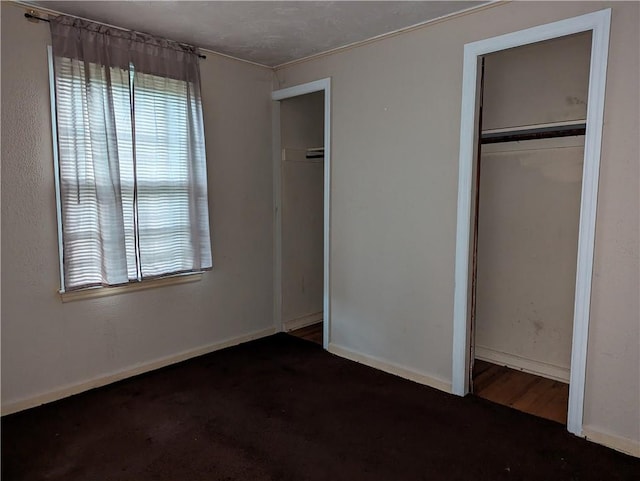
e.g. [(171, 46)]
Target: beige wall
[(395, 139), (536, 84), (47, 345), (302, 121), (527, 249), (302, 127)]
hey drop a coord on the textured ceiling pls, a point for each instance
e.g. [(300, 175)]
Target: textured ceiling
[(269, 33)]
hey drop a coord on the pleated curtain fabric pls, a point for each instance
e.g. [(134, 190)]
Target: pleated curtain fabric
[(131, 151)]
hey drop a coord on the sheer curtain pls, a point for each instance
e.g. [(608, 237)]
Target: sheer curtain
[(131, 155)]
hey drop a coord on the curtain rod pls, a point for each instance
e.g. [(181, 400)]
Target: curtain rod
[(30, 16)]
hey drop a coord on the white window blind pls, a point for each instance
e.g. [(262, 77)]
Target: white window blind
[(132, 175)]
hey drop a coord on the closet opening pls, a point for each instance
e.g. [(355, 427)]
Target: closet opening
[(531, 123), (301, 191)]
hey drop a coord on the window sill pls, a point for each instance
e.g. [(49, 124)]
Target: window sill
[(94, 292)]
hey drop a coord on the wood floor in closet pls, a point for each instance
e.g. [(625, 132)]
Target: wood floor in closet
[(311, 333), (526, 392)]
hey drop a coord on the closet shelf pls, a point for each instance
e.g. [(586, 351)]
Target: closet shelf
[(533, 132)]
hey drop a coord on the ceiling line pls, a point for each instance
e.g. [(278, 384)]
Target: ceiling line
[(48, 11), (394, 33), (359, 43)]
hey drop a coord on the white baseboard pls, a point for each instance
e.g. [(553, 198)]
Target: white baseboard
[(304, 321), (624, 445), (72, 389), (544, 369), (390, 367)]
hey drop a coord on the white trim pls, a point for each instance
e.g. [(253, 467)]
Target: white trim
[(599, 23), (624, 445), (304, 321), (390, 367), (326, 302), (56, 163), (277, 217), (513, 361), (134, 370), (322, 85), (95, 292), (302, 89)]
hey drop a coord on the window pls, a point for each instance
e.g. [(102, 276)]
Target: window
[(132, 173)]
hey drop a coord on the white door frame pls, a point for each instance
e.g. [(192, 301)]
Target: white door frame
[(598, 23), (322, 85)]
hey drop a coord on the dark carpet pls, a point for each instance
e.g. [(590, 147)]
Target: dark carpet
[(281, 408)]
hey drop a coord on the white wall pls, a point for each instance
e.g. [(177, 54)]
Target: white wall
[(395, 139), (302, 127), (47, 345)]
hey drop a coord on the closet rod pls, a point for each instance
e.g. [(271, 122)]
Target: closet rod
[(535, 133), (315, 153)]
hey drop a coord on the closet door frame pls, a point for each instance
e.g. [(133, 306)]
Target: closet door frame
[(322, 85), (598, 23)]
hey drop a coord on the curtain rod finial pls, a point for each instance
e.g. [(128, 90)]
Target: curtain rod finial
[(32, 16)]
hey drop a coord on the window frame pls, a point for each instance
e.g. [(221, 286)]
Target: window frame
[(94, 291)]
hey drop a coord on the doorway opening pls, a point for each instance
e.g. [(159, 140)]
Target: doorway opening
[(301, 193), (532, 119), (469, 246)]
